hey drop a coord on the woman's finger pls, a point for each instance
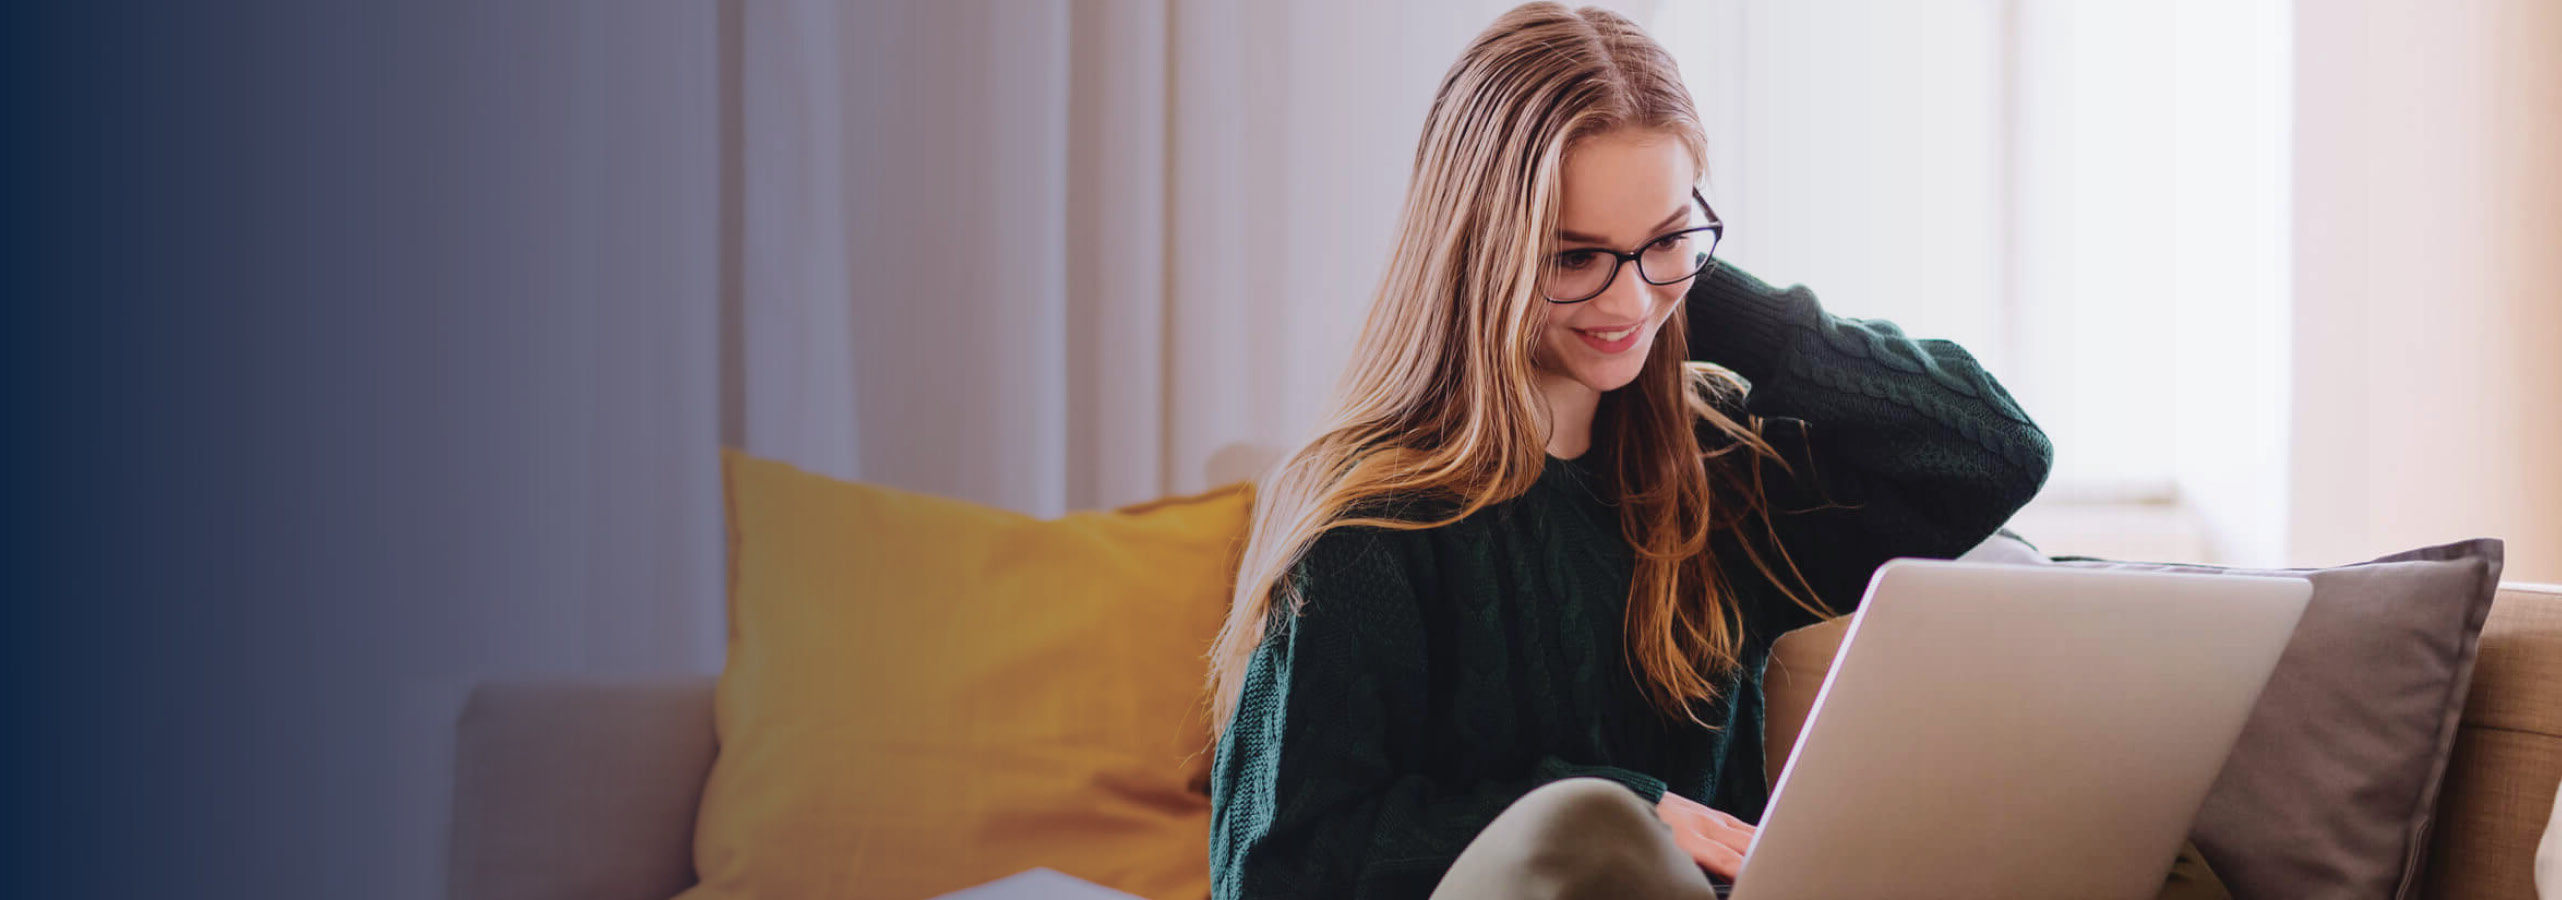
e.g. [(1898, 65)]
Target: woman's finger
[(1708, 853), (1714, 839), (1726, 830), (1720, 859), (1723, 816)]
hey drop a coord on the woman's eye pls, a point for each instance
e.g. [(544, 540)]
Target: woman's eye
[(1576, 259), (1670, 242)]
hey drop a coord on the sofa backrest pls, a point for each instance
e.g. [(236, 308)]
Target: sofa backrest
[(2500, 784)]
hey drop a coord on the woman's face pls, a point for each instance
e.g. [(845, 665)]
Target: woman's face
[(1622, 190)]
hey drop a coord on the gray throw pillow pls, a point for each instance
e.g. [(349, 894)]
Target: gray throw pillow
[(2330, 790)]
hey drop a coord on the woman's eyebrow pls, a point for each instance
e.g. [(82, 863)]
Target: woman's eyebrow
[(1581, 238)]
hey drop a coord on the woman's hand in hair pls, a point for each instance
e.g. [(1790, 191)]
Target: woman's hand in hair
[(1715, 840)]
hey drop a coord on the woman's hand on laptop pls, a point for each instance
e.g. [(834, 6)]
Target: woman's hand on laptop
[(1715, 840)]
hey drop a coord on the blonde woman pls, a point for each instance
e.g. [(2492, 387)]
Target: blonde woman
[(1500, 625)]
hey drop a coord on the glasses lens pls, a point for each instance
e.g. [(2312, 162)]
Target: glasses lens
[(1676, 256), (1578, 274)]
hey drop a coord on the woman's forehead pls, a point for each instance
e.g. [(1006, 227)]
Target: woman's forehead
[(1619, 185)]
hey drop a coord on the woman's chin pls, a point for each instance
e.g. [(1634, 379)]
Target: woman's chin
[(1604, 379)]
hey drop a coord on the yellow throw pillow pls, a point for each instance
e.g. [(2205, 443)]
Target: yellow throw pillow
[(924, 694)]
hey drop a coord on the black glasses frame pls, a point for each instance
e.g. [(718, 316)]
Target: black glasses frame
[(1716, 229)]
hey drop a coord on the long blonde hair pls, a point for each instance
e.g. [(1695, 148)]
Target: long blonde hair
[(1440, 399)]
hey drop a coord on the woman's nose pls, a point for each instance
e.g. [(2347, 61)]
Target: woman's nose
[(1626, 296)]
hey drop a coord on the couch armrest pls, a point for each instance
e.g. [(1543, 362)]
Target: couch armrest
[(579, 791)]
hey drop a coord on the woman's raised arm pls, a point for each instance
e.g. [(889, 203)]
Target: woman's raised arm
[(1897, 446)]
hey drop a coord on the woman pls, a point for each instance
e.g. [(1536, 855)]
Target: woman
[(1499, 626)]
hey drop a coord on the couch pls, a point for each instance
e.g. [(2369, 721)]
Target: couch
[(588, 791)]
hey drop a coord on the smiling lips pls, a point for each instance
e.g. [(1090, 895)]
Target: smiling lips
[(1616, 340)]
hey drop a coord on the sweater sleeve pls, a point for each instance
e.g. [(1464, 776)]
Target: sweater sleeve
[(1896, 446), (1316, 790)]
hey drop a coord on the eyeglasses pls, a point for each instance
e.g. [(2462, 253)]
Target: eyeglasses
[(1577, 275)]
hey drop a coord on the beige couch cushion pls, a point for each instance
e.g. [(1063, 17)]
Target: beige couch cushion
[(2500, 787), (2548, 861), (579, 791), (1798, 662)]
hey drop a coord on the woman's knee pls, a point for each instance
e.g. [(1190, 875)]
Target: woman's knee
[(1586, 832), (1575, 839), (1583, 802)]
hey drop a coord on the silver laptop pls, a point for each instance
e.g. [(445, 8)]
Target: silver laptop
[(1998, 731)]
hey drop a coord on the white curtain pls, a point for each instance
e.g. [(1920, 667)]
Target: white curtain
[(1062, 255), (1053, 255), (2428, 323)]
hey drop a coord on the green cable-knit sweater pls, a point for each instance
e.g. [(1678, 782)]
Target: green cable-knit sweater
[(1435, 676)]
